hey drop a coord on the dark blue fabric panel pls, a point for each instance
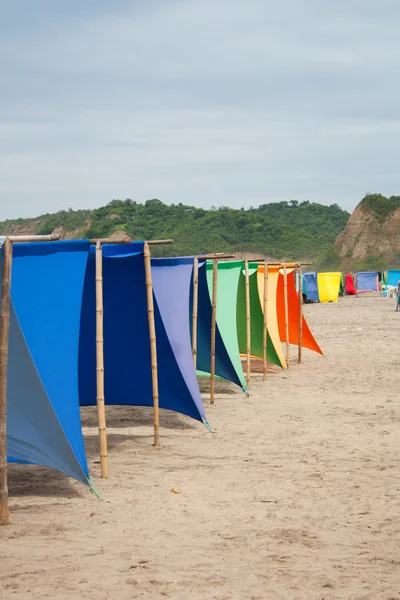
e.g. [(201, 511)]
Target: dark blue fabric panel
[(34, 433), (171, 283), (223, 364), (127, 360), (47, 285), (120, 250), (312, 286)]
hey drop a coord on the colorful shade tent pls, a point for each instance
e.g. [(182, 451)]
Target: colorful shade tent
[(274, 354), (328, 286), (229, 277), (393, 278), (308, 340), (311, 286), (226, 364), (127, 359), (367, 281), (43, 420), (350, 289)]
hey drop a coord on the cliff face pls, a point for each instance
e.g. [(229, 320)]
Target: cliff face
[(371, 238)]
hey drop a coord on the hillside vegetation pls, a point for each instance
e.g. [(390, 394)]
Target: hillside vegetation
[(285, 230)]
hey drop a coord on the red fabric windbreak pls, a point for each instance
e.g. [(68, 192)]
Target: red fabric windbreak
[(350, 289), (308, 340)]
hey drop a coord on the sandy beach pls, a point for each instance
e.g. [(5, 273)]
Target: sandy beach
[(295, 495)]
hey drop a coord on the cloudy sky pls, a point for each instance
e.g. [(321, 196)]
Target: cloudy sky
[(206, 102)]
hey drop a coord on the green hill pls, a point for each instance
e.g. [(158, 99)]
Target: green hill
[(285, 230)]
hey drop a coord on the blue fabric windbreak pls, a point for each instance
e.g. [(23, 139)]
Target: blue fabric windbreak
[(34, 433), (47, 285), (367, 281), (393, 278), (127, 361), (172, 278), (312, 286), (223, 364)]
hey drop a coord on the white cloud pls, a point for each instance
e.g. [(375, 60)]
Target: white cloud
[(219, 102)]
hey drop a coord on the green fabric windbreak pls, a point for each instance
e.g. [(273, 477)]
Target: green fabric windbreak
[(256, 320), (227, 292)]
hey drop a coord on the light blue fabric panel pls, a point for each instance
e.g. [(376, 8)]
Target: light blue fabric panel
[(46, 290), (171, 284), (393, 278), (367, 281), (34, 433)]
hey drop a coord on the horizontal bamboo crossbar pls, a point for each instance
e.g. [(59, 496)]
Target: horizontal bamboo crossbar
[(111, 241), (15, 239), (280, 264), (215, 256)]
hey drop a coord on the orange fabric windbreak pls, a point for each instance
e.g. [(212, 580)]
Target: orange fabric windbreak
[(308, 340)]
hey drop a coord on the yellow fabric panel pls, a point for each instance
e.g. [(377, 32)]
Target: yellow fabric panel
[(272, 321), (328, 286)]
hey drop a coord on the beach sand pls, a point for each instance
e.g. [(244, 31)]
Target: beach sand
[(296, 494)]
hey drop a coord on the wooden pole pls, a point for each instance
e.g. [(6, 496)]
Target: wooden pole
[(300, 348), (195, 309), (248, 325), (101, 409), (153, 342), (4, 334), (265, 331), (111, 241), (285, 295), (213, 329), (15, 239)]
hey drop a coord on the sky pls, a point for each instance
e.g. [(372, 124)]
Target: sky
[(204, 102)]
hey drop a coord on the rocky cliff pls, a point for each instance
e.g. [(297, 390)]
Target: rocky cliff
[(371, 238)]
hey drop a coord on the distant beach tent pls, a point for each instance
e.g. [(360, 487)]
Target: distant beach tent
[(308, 340), (350, 289), (43, 420), (127, 360), (367, 281), (311, 286), (393, 278), (328, 286)]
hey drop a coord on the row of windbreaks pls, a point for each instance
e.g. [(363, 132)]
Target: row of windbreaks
[(326, 287), (52, 346)]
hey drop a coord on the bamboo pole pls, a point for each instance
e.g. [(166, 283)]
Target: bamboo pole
[(248, 325), (300, 347), (111, 241), (101, 409), (15, 239), (220, 256), (4, 334), (265, 330), (213, 329), (159, 242), (279, 264), (195, 308), (153, 342), (285, 294)]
